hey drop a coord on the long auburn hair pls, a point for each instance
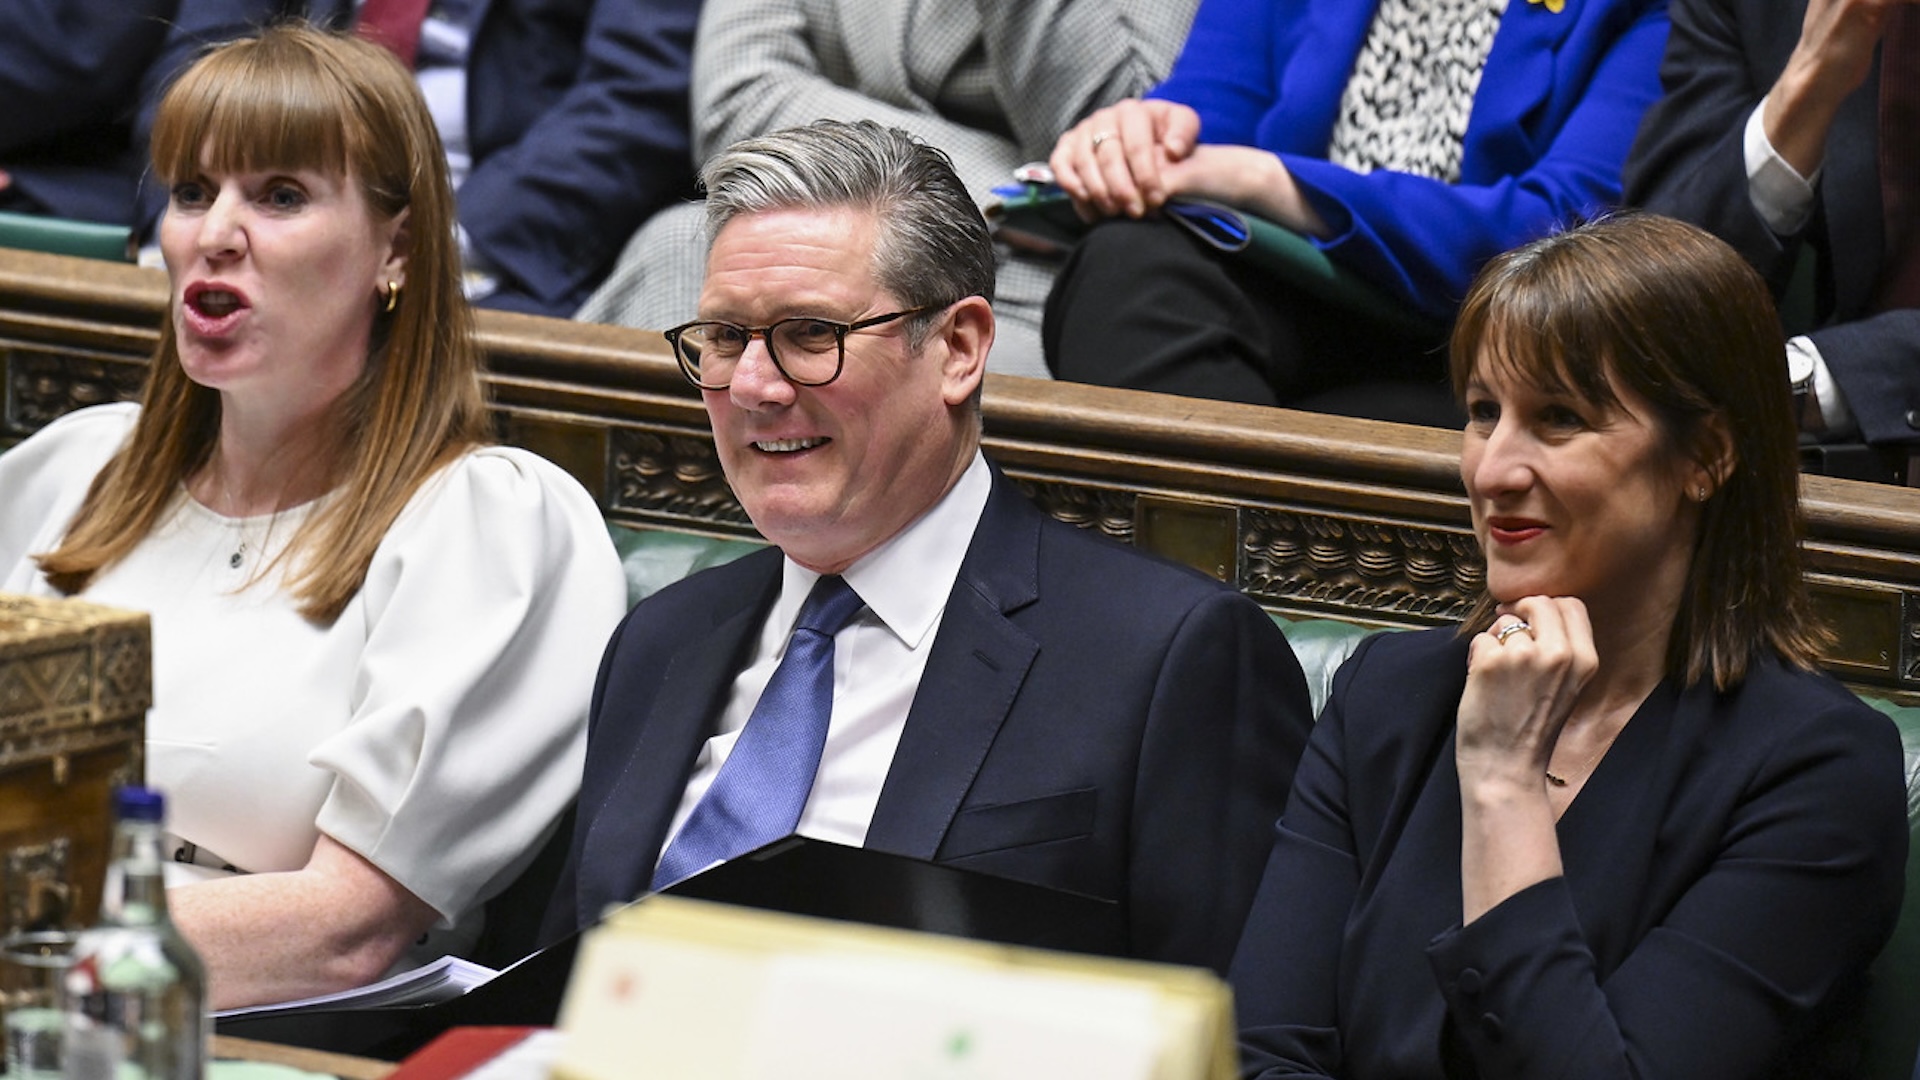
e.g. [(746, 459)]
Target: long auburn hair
[(295, 97), (1677, 315)]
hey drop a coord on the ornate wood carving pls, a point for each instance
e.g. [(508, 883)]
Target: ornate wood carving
[(1335, 516), (672, 478), (43, 384), (1349, 565), (1107, 509)]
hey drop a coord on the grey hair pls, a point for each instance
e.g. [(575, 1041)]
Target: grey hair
[(933, 248)]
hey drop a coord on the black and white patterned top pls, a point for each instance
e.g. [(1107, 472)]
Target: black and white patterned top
[(1407, 103)]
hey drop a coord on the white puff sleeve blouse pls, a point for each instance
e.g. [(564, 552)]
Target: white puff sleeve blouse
[(437, 727)]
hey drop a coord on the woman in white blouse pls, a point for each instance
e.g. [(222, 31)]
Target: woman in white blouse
[(374, 634)]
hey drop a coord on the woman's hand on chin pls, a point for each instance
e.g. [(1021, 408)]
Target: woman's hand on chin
[(1521, 686)]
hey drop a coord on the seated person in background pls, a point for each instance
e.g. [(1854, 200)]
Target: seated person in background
[(1409, 140), (565, 122), (1772, 136), (70, 74), (992, 84), (373, 634), (1009, 694), (1617, 824)]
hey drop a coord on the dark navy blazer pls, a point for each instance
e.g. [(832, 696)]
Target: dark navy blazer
[(1731, 867), (70, 77), (576, 117), (1090, 718), (1689, 163)]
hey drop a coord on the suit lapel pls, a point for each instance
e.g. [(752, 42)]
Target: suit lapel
[(979, 661), (1522, 66), (875, 36), (631, 826)]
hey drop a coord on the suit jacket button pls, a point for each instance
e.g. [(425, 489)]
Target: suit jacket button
[(1492, 1027), (1470, 982), (1913, 419)]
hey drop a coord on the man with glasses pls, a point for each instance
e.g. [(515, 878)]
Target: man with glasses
[(925, 663)]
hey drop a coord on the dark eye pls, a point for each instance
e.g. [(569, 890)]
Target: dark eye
[(1563, 418), (188, 194), (1483, 411), (813, 335), (285, 197), (723, 339)]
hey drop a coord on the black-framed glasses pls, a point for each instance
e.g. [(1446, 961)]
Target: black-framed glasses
[(809, 351)]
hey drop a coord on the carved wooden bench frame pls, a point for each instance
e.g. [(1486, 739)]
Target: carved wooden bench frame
[(1311, 515)]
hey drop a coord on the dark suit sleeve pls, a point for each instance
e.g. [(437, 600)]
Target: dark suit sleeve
[(552, 210), (1287, 968), (66, 64), (1225, 730), (1689, 163), (1817, 841)]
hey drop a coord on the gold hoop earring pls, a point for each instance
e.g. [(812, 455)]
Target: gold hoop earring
[(393, 295)]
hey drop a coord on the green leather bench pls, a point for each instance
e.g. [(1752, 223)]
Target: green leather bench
[(655, 558)]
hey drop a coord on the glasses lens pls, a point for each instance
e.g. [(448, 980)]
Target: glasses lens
[(711, 350), (809, 349)]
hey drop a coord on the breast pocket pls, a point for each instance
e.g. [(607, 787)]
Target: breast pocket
[(978, 830)]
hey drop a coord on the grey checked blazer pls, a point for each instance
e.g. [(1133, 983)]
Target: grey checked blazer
[(991, 82)]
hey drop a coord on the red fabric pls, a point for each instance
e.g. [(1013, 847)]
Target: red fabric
[(394, 24), (458, 1051), (1900, 157)]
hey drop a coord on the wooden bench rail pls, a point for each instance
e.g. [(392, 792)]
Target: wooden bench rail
[(1311, 515)]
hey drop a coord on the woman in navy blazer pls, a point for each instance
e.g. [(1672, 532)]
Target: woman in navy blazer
[(1248, 119), (1617, 824)]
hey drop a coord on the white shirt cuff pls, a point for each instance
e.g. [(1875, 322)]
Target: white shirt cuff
[(1834, 412), (1783, 197)]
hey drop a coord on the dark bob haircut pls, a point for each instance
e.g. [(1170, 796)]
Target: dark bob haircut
[(1679, 317)]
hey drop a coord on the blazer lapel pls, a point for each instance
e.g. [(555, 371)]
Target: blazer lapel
[(979, 661), (629, 829), (1522, 66)]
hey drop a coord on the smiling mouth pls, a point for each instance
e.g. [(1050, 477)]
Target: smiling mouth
[(787, 446)]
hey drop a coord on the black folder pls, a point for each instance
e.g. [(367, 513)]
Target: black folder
[(798, 876)]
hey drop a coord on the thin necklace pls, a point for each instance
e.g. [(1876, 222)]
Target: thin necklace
[(1562, 781)]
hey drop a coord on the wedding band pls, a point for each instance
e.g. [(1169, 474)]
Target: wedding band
[(1100, 137), (1511, 629)]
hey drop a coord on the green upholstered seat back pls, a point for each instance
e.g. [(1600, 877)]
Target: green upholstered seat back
[(1893, 1001)]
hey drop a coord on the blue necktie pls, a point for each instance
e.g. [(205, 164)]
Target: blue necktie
[(763, 786)]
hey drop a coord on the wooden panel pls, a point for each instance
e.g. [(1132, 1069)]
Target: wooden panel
[(1311, 515)]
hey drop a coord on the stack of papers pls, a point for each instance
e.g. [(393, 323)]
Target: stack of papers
[(443, 980)]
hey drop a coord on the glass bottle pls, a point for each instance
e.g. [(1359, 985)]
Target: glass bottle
[(136, 994)]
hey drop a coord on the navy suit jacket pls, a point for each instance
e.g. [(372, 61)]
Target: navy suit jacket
[(1090, 718), (1731, 867), (576, 118), (1723, 57), (70, 76)]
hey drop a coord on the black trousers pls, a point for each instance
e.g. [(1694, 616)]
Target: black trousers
[(1146, 305)]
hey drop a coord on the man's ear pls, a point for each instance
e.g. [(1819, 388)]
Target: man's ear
[(968, 337)]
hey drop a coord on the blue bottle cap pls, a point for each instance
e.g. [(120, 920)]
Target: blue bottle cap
[(139, 804)]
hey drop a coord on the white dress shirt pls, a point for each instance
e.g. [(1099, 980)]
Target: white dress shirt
[(1784, 200), (877, 662)]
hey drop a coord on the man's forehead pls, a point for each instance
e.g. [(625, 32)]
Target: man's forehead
[(790, 260)]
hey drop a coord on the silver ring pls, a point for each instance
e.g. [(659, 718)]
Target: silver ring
[(1511, 629), (1100, 137)]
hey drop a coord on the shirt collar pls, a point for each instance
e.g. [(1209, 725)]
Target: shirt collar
[(906, 580)]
